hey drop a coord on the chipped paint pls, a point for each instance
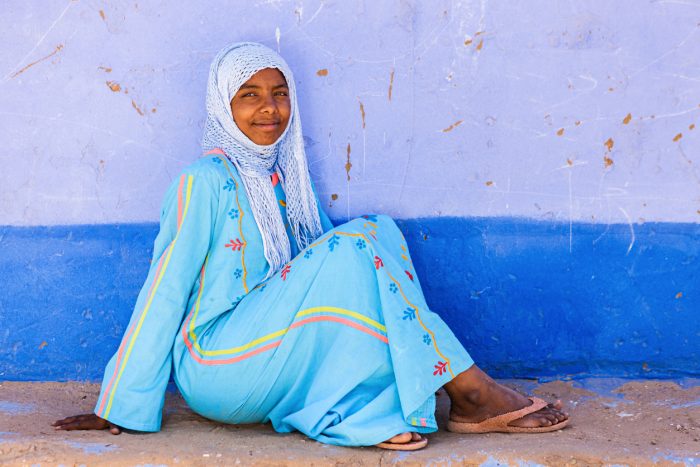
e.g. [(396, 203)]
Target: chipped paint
[(105, 69), (136, 107), (691, 127), (25, 68), (560, 132), (489, 183), (114, 86), (322, 72), (679, 295), (102, 15), (391, 83), (627, 119), (480, 45), (609, 144), (607, 161), (362, 114), (348, 164), (453, 126), (678, 137), (334, 197)]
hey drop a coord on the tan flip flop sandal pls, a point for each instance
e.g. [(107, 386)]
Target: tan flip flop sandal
[(499, 423), (410, 446)]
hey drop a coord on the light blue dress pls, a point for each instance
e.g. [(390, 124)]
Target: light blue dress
[(339, 344)]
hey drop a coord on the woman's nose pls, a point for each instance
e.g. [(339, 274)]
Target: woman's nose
[(269, 104)]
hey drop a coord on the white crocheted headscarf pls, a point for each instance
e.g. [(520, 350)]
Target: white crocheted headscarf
[(232, 67)]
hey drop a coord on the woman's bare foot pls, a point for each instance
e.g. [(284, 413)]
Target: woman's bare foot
[(475, 397), (408, 441)]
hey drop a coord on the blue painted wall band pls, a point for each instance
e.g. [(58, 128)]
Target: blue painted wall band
[(527, 298)]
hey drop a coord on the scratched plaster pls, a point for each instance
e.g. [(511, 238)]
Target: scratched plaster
[(569, 111)]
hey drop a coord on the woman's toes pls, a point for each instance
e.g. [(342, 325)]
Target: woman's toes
[(416, 436), (401, 438)]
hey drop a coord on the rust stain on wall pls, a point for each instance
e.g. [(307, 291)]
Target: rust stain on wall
[(679, 295), (577, 122), (322, 72), (609, 144), (489, 183), (133, 104), (569, 162), (114, 86), (391, 83), (560, 132), (608, 162), (334, 196), (43, 344), (362, 112), (480, 45), (677, 137), (691, 127), (106, 69), (102, 15), (468, 41), (348, 164), (58, 48), (453, 126), (627, 119)]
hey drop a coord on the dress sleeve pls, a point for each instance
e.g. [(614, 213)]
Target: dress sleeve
[(135, 380)]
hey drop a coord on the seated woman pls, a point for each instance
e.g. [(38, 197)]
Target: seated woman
[(263, 311)]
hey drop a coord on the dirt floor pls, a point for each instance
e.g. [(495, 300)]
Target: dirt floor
[(614, 422)]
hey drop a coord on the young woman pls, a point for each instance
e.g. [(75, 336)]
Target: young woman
[(262, 310)]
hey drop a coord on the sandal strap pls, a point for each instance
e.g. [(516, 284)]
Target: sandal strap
[(502, 421)]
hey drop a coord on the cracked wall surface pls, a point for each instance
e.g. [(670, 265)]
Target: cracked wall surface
[(564, 111)]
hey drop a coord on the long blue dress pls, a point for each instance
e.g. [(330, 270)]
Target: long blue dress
[(339, 344)]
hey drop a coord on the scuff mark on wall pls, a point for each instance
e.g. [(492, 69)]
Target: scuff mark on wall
[(106, 69), (348, 164), (58, 48), (453, 126)]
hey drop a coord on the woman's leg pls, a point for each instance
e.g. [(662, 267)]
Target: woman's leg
[(475, 397)]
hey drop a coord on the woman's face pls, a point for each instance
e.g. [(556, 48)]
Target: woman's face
[(261, 107)]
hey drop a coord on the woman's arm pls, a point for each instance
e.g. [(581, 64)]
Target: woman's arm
[(135, 379)]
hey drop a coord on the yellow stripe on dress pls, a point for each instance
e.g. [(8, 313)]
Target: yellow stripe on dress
[(150, 300)]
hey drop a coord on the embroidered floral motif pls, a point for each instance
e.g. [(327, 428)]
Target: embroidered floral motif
[(230, 185), (262, 287), (308, 253), (235, 245), (410, 276), (237, 273), (378, 263), (440, 368), (333, 242), (393, 288), (427, 339), (233, 214), (360, 243), (285, 271), (409, 314), (216, 160), (237, 300), (370, 217)]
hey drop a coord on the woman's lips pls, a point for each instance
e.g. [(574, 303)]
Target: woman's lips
[(266, 125)]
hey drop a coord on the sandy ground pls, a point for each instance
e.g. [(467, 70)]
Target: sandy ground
[(614, 422)]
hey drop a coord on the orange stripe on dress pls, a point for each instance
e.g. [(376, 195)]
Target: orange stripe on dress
[(179, 200), (215, 151), (272, 345), (120, 352)]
